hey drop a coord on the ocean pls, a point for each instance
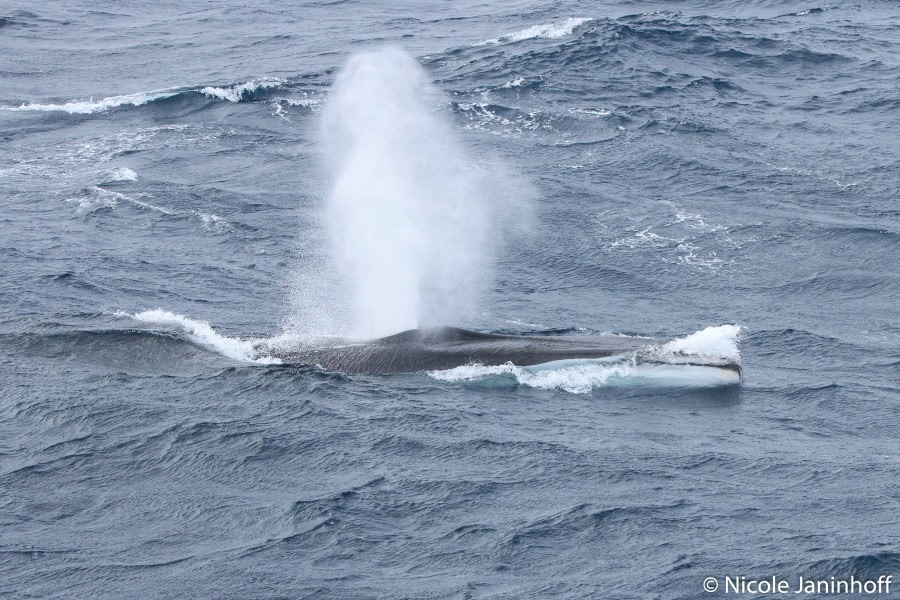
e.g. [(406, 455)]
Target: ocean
[(187, 188)]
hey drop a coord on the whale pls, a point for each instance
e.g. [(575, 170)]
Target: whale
[(441, 348)]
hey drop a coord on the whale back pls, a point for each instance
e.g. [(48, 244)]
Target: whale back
[(448, 347)]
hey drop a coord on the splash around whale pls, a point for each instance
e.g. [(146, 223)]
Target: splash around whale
[(577, 363), (447, 348)]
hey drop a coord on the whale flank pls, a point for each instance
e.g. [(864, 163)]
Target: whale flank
[(443, 348)]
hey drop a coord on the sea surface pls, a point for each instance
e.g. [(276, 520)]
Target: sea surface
[(688, 165)]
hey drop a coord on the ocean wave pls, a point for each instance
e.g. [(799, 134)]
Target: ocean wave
[(302, 102), (585, 522), (202, 334), (96, 198), (89, 152), (119, 174), (680, 238), (214, 223), (233, 93), (502, 120), (684, 250), (546, 31), (83, 107), (517, 82), (809, 11), (242, 91), (131, 351), (308, 102), (862, 566)]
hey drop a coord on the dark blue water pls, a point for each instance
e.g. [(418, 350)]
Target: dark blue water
[(693, 164)]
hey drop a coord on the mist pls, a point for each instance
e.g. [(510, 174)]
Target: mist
[(412, 221)]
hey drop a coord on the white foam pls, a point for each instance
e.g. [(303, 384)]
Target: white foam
[(89, 106), (113, 145), (692, 220), (713, 347), (523, 323), (304, 102), (689, 239), (693, 376), (593, 112), (517, 82), (482, 118), (577, 379), (547, 31), (214, 223), (583, 376), (98, 198), (201, 333), (235, 93), (713, 342), (120, 174), (148, 206), (280, 104)]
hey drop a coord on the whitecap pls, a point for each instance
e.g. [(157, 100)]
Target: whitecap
[(89, 106), (517, 82), (119, 174), (236, 93), (546, 31), (202, 334), (233, 93)]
